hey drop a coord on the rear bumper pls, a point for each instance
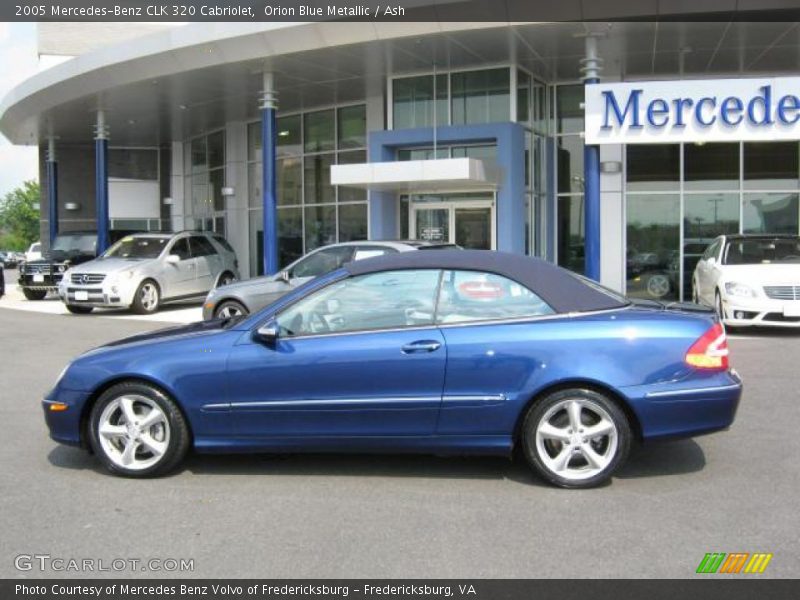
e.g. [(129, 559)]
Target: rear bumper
[(688, 408)]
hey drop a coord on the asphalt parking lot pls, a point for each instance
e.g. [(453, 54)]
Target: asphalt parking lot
[(379, 516)]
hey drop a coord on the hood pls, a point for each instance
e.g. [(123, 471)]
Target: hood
[(763, 274), (171, 332), (266, 285), (109, 265)]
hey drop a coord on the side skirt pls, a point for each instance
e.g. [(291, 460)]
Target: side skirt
[(486, 445)]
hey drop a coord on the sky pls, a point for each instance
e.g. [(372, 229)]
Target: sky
[(18, 61)]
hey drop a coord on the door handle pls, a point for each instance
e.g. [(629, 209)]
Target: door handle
[(421, 346)]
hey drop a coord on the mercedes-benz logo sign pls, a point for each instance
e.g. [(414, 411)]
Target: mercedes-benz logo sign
[(84, 279)]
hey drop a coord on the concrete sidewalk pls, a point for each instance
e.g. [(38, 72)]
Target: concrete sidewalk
[(52, 305)]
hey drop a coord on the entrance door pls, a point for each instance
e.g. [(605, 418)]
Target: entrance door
[(470, 223)]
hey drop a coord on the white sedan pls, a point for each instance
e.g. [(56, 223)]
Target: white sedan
[(751, 279)]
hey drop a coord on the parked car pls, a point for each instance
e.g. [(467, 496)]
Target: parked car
[(42, 275), (751, 279), (34, 252), (145, 270), (245, 297), (9, 259), (464, 352)]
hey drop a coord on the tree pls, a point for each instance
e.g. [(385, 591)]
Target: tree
[(19, 217)]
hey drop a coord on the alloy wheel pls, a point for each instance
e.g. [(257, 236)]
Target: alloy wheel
[(228, 311), (658, 286), (576, 439), (133, 432), (149, 296)]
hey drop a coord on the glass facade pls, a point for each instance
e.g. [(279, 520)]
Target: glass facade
[(568, 149), (311, 212), (205, 178), (679, 197)]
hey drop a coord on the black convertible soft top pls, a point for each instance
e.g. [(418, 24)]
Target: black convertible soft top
[(562, 290)]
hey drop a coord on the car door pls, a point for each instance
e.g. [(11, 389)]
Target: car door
[(208, 262), (360, 357), (179, 277), (495, 350)]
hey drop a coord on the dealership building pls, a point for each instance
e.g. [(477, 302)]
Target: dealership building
[(616, 149)]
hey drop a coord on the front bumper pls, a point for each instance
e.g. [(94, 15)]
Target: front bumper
[(761, 312), (40, 282), (106, 295), (65, 425), (695, 406)]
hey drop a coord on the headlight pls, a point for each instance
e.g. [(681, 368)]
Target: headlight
[(741, 290)]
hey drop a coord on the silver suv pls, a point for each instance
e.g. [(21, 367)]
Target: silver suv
[(145, 270), (245, 297)]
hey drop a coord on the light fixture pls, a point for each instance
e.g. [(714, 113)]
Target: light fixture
[(72, 206), (284, 133), (228, 191), (610, 166), (166, 200)]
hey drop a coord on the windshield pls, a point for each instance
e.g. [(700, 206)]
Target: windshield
[(137, 247), (763, 251), (81, 244)]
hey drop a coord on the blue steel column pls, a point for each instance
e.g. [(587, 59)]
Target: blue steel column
[(52, 189), (591, 174), (269, 106), (101, 181)]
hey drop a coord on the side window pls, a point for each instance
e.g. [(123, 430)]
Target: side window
[(201, 246), (474, 296), (387, 300), (224, 243), (322, 262), (181, 248), (362, 252)]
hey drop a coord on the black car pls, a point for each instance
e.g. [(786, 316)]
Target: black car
[(37, 277), (9, 260)]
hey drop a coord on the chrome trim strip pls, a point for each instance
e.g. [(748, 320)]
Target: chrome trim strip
[(487, 398), (689, 392), (326, 402), (215, 406)]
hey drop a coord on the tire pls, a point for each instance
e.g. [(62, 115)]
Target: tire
[(155, 450), (560, 455), (147, 298), (695, 297), (79, 310), (230, 308), (225, 279), (34, 294), (718, 307)]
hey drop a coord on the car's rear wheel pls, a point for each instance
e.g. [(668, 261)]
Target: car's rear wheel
[(147, 298), (79, 310), (34, 294), (138, 431), (576, 438), (229, 309), (658, 285)]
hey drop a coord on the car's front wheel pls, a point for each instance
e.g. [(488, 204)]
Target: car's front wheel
[(718, 306), (138, 431), (230, 309), (79, 310), (34, 294), (576, 438), (147, 298)]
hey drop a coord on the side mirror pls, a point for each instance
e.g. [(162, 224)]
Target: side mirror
[(173, 259), (268, 332), (711, 261), (284, 276)]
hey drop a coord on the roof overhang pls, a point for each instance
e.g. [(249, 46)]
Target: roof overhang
[(451, 174)]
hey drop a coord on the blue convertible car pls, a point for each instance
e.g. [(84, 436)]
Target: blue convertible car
[(435, 352)]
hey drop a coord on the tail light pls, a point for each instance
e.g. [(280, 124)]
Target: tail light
[(710, 351)]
